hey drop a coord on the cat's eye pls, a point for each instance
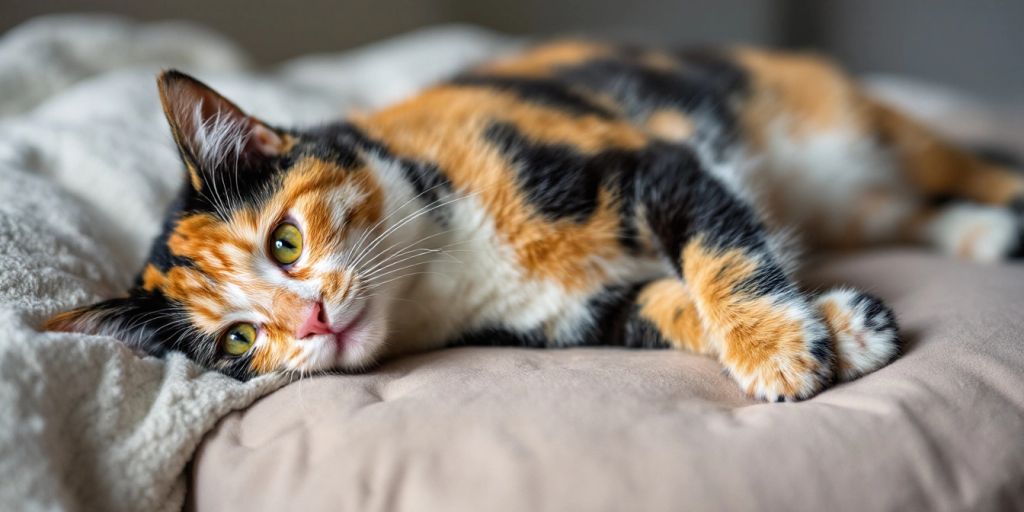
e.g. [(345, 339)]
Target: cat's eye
[(286, 243), (238, 339)]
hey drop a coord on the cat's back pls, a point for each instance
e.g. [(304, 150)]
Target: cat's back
[(586, 94)]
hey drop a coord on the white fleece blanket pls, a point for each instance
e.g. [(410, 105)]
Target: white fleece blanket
[(86, 167)]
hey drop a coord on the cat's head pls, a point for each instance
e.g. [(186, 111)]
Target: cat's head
[(253, 271)]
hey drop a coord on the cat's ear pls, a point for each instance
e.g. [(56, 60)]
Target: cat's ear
[(211, 131), (129, 319)]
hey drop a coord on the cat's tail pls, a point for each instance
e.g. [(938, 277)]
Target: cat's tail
[(864, 331)]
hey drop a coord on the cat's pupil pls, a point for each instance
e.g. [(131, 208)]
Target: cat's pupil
[(283, 244)]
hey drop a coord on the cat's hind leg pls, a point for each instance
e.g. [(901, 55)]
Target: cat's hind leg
[(971, 231), (853, 171), (983, 219)]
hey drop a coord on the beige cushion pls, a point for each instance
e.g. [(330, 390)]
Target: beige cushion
[(500, 429)]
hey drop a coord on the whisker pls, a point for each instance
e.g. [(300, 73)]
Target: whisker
[(395, 211), (407, 249), (409, 219)]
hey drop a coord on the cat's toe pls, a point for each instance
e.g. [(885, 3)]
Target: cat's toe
[(863, 328), (798, 368)]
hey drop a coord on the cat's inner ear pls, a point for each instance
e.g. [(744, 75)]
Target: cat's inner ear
[(211, 131)]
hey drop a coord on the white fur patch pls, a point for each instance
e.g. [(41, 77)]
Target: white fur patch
[(979, 233), (218, 139), (820, 182), (870, 338)]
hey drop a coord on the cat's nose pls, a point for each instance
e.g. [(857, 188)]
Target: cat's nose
[(315, 323)]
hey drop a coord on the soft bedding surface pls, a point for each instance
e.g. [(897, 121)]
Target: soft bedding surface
[(87, 164)]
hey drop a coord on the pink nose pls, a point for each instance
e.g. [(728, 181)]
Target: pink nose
[(315, 323)]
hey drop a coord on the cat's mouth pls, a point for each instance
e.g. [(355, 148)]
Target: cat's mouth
[(347, 335), (351, 344)]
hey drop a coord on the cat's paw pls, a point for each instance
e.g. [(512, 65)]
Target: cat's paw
[(863, 329), (986, 234), (789, 360)]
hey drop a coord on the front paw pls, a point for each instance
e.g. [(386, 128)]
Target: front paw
[(864, 330), (786, 362)]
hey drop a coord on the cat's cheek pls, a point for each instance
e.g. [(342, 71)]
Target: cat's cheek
[(366, 343)]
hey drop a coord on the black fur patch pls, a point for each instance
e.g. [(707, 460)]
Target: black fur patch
[(562, 183), (768, 279), (238, 367), (432, 188), (823, 352), (683, 200), (619, 320), (546, 92), (1017, 207), (153, 324), (702, 90), (430, 184), (159, 254), (502, 337), (716, 70), (338, 143), (878, 316), (556, 180)]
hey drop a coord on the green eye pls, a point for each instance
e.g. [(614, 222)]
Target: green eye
[(286, 243), (238, 339)]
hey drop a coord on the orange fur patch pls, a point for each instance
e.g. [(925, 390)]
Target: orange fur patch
[(808, 92), (938, 167), (667, 304), (838, 321), (660, 61), (272, 353), (308, 187), (758, 337), (446, 125), (542, 60), (669, 124), (336, 286), (63, 322)]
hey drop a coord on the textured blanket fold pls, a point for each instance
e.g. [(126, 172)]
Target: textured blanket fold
[(86, 167)]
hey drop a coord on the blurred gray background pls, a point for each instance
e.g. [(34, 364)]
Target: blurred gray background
[(974, 45)]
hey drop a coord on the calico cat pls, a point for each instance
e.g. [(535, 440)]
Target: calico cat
[(577, 193)]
